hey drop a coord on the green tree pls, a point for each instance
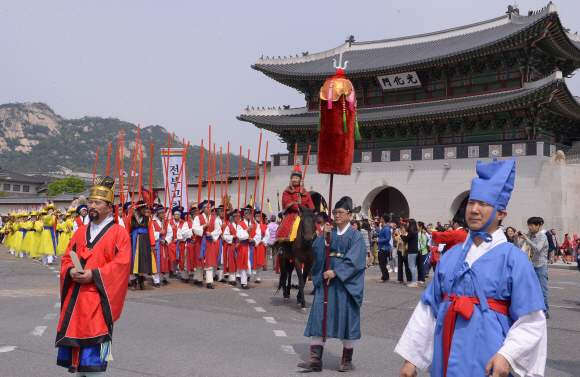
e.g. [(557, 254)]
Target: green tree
[(3, 194), (71, 184)]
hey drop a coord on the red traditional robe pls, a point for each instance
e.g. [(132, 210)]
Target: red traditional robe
[(260, 254), (211, 247), (244, 248), (165, 265), (291, 199), (191, 257), (173, 244), (450, 237), (89, 310), (230, 251)]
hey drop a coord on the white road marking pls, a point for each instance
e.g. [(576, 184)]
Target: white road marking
[(270, 319), (289, 350), (250, 301), (564, 307), (38, 330), (555, 287), (52, 268), (58, 276), (57, 305), (259, 309), (50, 316), (243, 294), (57, 271), (153, 299), (279, 333), (236, 289), (7, 349)]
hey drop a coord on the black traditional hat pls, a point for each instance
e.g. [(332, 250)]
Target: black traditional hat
[(345, 203), (140, 204)]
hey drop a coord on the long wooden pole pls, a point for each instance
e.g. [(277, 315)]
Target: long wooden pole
[(136, 153), (227, 179), (327, 261), (239, 179), (222, 177), (209, 167), (140, 196), (122, 165), (166, 163), (200, 174), (295, 153), (214, 173), (115, 172), (247, 172), (109, 159), (256, 177), (306, 164), (264, 181), (95, 169), (151, 176), (186, 188)]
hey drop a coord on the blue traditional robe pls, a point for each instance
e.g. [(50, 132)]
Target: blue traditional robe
[(502, 273), (345, 291)]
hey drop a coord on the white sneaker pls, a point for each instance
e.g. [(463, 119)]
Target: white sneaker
[(396, 270)]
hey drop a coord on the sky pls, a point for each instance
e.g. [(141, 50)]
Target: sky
[(185, 65)]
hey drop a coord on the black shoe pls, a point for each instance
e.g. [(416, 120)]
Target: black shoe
[(346, 360), (210, 286), (200, 284), (226, 276), (195, 282), (171, 275), (265, 269), (245, 286), (164, 281), (142, 282), (223, 281), (233, 283), (314, 363), (257, 282), (295, 286), (157, 285), (547, 315), (186, 281)]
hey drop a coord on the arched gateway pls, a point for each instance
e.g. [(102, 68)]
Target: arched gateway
[(387, 200)]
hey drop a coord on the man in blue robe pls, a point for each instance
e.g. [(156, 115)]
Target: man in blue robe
[(491, 284), (345, 279)]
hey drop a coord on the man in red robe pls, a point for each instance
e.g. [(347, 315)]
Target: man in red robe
[(293, 196), (176, 241), (248, 233), (92, 299), (454, 236), (259, 262), (207, 228), (160, 226), (230, 241)]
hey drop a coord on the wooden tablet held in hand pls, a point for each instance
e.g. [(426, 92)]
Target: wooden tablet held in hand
[(76, 262)]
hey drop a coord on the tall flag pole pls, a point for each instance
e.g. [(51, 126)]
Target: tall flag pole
[(256, 177), (295, 153), (239, 179), (200, 173), (109, 158), (214, 173), (186, 188), (278, 195), (227, 178), (122, 165), (209, 167), (166, 162), (307, 160), (95, 169), (136, 153), (264, 182), (247, 172), (222, 178), (151, 177), (140, 170), (115, 172)]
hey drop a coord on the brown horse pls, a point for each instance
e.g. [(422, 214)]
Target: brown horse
[(296, 254)]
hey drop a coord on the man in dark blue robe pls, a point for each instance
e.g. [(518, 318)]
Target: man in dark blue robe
[(345, 279)]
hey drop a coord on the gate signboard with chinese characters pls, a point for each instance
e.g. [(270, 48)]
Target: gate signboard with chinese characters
[(175, 156), (405, 80)]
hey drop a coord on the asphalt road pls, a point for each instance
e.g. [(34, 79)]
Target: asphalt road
[(179, 330)]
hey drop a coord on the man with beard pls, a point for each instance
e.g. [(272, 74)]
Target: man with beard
[(143, 247), (293, 196), (92, 299)]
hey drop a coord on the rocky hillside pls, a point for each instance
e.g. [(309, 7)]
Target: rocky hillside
[(33, 138)]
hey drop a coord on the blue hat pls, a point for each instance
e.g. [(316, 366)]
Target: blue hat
[(280, 215), (233, 213), (204, 203), (177, 209), (82, 206), (495, 183), (127, 205), (323, 214)]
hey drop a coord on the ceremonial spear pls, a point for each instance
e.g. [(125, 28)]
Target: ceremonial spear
[(336, 142)]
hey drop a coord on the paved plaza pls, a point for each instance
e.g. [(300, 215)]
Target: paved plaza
[(180, 330)]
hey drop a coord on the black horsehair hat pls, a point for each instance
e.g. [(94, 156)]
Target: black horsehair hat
[(345, 203)]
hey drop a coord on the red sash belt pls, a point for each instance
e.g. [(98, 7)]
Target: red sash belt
[(464, 306)]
